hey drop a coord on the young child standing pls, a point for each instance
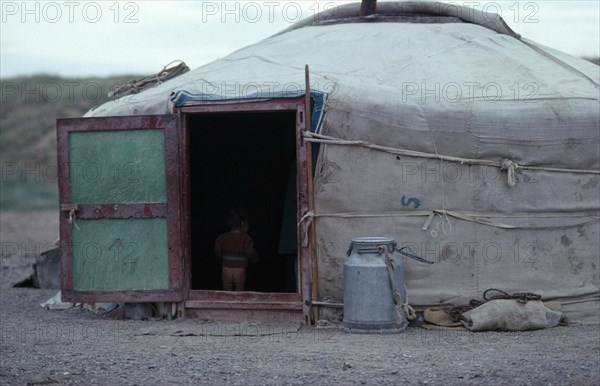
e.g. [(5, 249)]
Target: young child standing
[(235, 248)]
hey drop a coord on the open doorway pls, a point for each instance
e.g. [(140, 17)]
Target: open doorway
[(247, 160)]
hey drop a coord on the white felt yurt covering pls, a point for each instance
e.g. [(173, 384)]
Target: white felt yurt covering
[(487, 147)]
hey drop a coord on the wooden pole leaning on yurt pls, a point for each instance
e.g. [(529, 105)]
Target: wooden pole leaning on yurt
[(311, 200), (368, 7)]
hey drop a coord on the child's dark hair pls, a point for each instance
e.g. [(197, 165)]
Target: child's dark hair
[(236, 218)]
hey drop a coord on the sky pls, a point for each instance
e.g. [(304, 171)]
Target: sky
[(104, 38)]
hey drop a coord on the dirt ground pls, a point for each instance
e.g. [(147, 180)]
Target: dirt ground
[(78, 347)]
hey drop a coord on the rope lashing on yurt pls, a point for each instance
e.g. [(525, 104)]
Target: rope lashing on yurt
[(445, 219), (510, 166), (138, 85), (471, 217)]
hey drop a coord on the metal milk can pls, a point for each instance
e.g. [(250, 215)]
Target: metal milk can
[(369, 305)]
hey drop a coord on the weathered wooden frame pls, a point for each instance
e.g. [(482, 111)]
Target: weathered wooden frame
[(177, 212), (168, 210), (295, 303)]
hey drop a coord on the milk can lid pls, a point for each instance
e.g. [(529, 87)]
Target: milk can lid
[(372, 244), (373, 240)]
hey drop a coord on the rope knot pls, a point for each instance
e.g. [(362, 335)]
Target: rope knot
[(72, 218), (511, 167), (308, 217)]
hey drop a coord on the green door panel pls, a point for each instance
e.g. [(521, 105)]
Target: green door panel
[(111, 254), (124, 166)]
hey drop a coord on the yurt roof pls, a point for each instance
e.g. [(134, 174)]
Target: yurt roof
[(462, 77)]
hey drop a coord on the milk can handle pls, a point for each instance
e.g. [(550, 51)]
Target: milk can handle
[(392, 250), (414, 257)]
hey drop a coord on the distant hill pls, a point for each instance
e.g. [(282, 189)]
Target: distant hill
[(28, 112)]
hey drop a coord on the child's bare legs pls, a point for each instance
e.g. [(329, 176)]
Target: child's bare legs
[(234, 279)]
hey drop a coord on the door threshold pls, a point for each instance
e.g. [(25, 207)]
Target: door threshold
[(243, 305), (244, 315), (237, 306), (245, 296)]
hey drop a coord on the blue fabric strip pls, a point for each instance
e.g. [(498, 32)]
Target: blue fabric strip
[(319, 98)]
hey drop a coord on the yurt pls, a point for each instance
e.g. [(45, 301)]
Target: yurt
[(431, 123)]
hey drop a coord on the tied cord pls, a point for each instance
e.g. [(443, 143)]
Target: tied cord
[(509, 165), (511, 168), (72, 218), (139, 85), (307, 219), (408, 310), (455, 312)]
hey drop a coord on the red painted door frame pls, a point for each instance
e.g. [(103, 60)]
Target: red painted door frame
[(71, 211), (221, 300)]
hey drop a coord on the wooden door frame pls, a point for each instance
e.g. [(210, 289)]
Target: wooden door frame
[(222, 300), (169, 210)]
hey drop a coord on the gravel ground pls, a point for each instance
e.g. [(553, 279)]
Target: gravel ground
[(78, 347)]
